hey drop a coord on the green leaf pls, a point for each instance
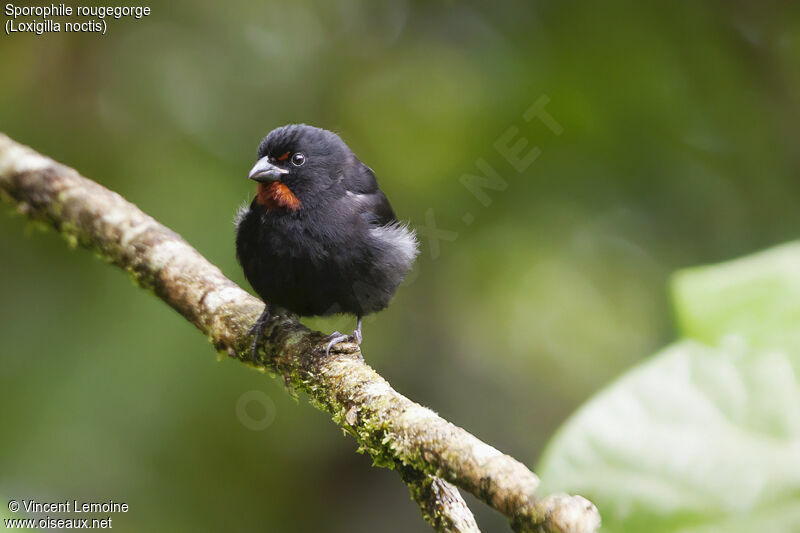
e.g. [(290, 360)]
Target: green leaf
[(704, 436), (757, 297)]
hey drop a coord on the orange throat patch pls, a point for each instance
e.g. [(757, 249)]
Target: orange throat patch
[(276, 195)]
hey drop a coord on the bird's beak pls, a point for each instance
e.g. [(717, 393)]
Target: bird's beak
[(264, 171)]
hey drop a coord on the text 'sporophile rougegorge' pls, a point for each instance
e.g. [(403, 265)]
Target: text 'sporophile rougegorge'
[(57, 18)]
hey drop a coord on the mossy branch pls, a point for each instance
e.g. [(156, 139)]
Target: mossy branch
[(429, 452)]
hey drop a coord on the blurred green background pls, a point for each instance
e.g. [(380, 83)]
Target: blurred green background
[(679, 147)]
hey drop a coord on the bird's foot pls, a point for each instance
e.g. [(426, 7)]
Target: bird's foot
[(257, 331), (335, 338), (254, 329)]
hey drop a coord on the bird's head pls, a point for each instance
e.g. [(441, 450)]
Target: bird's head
[(297, 164)]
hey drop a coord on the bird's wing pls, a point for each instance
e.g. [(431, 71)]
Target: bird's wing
[(359, 178), (371, 203)]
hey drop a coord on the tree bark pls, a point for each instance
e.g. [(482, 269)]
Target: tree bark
[(429, 452)]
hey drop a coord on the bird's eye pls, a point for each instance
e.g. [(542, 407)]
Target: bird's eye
[(298, 159)]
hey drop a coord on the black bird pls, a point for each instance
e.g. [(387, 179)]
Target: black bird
[(320, 237)]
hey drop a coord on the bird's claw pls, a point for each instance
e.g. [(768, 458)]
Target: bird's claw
[(257, 331), (336, 337)]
